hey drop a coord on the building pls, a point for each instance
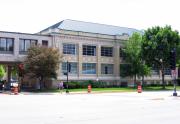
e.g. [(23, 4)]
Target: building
[(93, 50)]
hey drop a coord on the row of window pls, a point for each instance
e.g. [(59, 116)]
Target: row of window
[(89, 50), (88, 68), (7, 44), (167, 71)]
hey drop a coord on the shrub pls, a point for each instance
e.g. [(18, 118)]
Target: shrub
[(84, 84)]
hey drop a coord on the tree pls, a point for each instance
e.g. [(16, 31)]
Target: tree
[(2, 71), (132, 49), (178, 56), (157, 45), (42, 62)]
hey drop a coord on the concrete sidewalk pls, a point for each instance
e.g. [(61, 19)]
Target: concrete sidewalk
[(145, 93)]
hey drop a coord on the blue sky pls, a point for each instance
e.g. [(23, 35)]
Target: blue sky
[(31, 16)]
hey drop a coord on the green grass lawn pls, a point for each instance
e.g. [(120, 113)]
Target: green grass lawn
[(105, 90), (120, 89), (159, 88)]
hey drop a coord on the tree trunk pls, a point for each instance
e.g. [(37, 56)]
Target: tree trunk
[(143, 84), (41, 83), (135, 81), (163, 82)]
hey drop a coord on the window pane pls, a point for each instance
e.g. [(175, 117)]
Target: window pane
[(167, 71), (89, 50), (64, 67), (107, 68), (44, 43), (21, 45), (73, 69), (27, 44), (69, 49), (122, 53), (33, 42), (89, 68), (9, 44), (107, 51), (3, 44)]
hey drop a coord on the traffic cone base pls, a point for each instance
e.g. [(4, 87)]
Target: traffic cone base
[(15, 90), (139, 89), (89, 88)]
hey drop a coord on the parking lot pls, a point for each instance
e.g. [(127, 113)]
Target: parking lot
[(103, 108)]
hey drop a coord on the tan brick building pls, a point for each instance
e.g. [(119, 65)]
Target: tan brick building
[(92, 49)]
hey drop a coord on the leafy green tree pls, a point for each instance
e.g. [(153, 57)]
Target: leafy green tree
[(2, 71), (132, 49), (157, 44), (42, 62), (14, 71), (178, 56)]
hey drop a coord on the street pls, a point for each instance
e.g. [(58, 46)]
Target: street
[(103, 108)]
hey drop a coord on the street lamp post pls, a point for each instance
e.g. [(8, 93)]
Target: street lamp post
[(174, 93), (68, 68), (173, 68), (97, 79), (162, 72)]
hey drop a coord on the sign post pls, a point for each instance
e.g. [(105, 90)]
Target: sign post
[(173, 68), (174, 76), (67, 74)]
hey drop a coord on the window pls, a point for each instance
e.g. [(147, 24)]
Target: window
[(106, 68), (25, 44), (89, 68), (44, 43), (73, 67), (107, 51), (89, 50), (6, 45), (69, 49), (155, 71), (125, 70), (167, 71), (122, 53)]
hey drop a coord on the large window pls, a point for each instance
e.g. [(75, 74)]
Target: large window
[(89, 50), (107, 51), (73, 69), (106, 68), (89, 68), (69, 49), (167, 71), (155, 71), (122, 53), (25, 44), (125, 70), (6, 45), (44, 43)]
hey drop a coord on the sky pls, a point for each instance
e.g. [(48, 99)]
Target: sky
[(31, 16)]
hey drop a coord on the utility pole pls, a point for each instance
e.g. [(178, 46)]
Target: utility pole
[(68, 70), (173, 68)]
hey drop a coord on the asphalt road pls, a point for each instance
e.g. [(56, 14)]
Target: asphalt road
[(107, 108)]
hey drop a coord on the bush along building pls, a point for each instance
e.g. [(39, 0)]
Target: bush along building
[(93, 50)]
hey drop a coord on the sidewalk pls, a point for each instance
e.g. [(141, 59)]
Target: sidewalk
[(44, 93), (85, 92), (5, 93)]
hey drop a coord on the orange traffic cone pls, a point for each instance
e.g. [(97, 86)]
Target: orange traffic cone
[(15, 90), (139, 89), (89, 88)]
